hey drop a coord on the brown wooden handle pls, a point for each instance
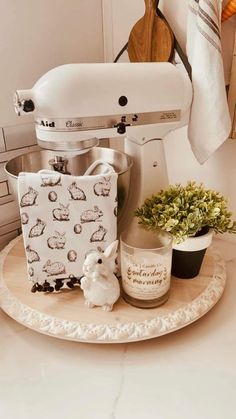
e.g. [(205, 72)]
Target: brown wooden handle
[(151, 38), (151, 5)]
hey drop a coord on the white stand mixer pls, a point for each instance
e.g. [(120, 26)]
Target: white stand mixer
[(74, 105)]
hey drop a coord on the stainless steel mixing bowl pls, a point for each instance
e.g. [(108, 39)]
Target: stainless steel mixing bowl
[(75, 165)]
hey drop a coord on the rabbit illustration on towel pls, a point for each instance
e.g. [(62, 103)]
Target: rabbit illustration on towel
[(32, 255), (91, 215), (99, 235), (103, 187), (54, 268), (76, 193), (29, 198), (99, 284), (38, 229), (61, 213), (48, 180), (24, 218), (57, 241)]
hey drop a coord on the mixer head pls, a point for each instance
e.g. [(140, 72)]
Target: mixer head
[(74, 105)]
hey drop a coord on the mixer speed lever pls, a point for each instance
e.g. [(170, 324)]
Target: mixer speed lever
[(121, 127)]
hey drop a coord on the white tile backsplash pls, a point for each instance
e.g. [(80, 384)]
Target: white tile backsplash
[(4, 157), (3, 175), (19, 136), (8, 207), (2, 142), (3, 189), (4, 200), (6, 238), (9, 213), (7, 228)]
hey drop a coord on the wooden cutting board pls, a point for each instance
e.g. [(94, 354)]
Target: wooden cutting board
[(151, 38)]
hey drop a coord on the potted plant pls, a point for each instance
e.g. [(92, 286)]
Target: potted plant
[(191, 214)]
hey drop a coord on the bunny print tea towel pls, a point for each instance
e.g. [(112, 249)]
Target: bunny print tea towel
[(63, 217)]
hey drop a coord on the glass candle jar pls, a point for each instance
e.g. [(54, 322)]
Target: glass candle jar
[(145, 259)]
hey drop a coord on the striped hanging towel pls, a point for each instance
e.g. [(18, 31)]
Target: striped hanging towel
[(210, 122)]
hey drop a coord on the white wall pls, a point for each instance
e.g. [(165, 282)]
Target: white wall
[(219, 172), (35, 36), (38, 35)]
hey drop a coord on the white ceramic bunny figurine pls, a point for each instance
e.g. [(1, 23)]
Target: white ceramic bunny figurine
[(100, 285)]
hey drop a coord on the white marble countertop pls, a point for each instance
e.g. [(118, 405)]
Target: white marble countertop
[(189, 374)]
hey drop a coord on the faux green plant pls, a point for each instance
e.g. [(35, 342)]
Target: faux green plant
[(185, 210)]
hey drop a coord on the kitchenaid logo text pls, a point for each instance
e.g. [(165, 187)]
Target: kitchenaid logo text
[(60, 124), (47, 124)]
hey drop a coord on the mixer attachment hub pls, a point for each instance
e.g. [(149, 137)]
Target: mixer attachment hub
[(59, 164)]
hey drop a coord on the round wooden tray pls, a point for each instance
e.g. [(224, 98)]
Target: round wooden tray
[(64, 315)]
